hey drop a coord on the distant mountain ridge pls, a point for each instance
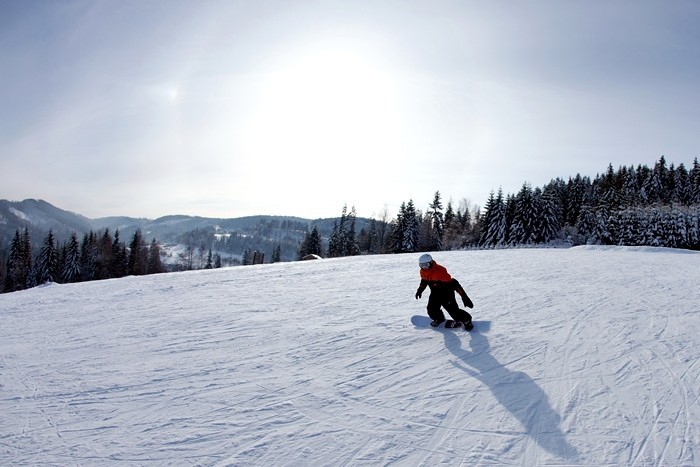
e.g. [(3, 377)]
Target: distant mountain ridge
[(260, 231), (40, 217)]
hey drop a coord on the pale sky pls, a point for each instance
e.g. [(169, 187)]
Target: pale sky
[(224, 108)]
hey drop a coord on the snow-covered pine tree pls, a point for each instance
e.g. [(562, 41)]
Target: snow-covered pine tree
[(510, 209), (71, 266), (47, 264), (675, 224), (412, 226), (630, 227), (695, 182), (682, 189), (549, 218), (665, 180), (629, 191), (19, 263), (586, 225), (522, 230), (643, 182), (693, 228), (600, 228), (495, 222), (606, 189), (654, 229), (576, 190), (654, 186)]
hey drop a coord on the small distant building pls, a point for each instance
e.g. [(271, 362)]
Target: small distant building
[(309, 257)]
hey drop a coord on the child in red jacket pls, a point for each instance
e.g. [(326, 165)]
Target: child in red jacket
[(442, 294)]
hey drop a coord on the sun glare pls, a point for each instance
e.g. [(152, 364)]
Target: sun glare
[(325, 104)]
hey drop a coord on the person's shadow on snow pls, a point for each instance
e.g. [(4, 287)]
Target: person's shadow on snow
[(516, 391)]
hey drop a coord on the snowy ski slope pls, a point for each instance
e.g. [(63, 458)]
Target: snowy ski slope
[(591, 359)]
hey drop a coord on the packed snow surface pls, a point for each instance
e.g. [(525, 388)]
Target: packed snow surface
[(591, 359)]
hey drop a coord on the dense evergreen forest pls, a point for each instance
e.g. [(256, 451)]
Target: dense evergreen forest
[(98, 256), (657, 206)]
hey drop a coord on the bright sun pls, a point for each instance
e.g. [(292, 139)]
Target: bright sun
[(331, 102)]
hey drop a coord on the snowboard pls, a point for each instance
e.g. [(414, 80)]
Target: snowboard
[(422, 321)]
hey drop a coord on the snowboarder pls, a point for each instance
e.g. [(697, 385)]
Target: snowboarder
[(442, 294)]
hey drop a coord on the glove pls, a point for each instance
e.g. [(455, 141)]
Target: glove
[(419, 294), (468, 303)]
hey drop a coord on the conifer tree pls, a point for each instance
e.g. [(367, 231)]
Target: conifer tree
[(103, 255), (695, 183), (437, 223), (88, 257), (338, 242), (334, 242), (155, 266), (467, 227), (351, 246), (548, 222), (71, 267), (210, 261), (449, 216), (277, 254), (246, 260), (137, 264), (496, 229), (19, 263), (412, 225), (654, 187), (575, 192), (630, 188), (693, 228), (523, 228), (47, 263), (343, 238), (682, 187), (486, 219), (3, 270), (398, 231), (119, 257), (586, 225), (675, 231), (371, 242), (311, 245)]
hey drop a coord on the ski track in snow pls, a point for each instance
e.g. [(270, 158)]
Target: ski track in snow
[(591, 360)]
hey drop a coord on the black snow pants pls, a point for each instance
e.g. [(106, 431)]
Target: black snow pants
[(444, 297)]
